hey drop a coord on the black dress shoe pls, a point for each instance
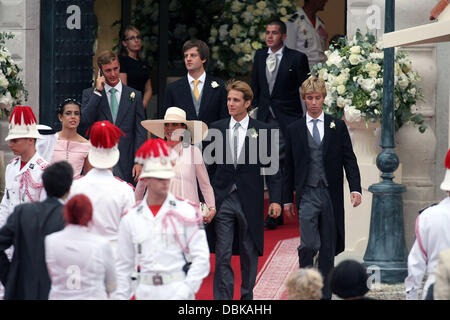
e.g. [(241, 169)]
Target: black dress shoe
[(270, 223)]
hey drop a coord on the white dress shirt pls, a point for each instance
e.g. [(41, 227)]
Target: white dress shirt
[(118, 88), (278, 54), (242, 132), (320, 124), (80, 264), (202, 79)]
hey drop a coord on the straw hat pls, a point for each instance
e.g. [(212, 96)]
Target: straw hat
[(104, 138), (22, 124), (445, 185), (197, 129), (157, 159)]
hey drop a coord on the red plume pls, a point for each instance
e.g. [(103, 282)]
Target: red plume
[(103, 134), (26, 112), (153, 148), (447, 159)]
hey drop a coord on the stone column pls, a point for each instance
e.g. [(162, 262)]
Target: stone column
[(22, 18)]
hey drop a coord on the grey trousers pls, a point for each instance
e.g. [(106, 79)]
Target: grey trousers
[(231, 219), (317, 232)]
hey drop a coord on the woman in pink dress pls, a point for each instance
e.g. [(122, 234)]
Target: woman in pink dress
[(189, 167), (71, 146)]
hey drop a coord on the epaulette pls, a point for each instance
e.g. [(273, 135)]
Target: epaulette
[(13, 159), (179, 198), (42, 163), (134, 206), (432, 205), (125, 182), (293, 17)]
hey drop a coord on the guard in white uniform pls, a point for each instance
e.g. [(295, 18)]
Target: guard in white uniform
[(168, 243), (432, 236), (303, 36), (22, 184), (109, 195)]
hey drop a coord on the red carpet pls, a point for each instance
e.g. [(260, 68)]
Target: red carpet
[(281, 255)]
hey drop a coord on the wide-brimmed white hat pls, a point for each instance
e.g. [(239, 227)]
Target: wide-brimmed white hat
[(198, 129), (157, 159), (445, 185), (104, 138), (22, 124)]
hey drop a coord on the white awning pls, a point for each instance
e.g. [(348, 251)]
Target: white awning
[(438, 31)]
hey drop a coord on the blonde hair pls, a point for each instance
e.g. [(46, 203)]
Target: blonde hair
[(305, 284), (106, 57), (314, 84)]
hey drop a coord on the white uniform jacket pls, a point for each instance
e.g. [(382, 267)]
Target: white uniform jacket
[(110, 198), (432, 236), (304, 37), (156, 244), (22, 185), (80, 264)]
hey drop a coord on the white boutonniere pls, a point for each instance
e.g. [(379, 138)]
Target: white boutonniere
[(214, 84), (254, 133), (332, 125), (132, 96)]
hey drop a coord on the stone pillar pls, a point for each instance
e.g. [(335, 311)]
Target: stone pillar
[(22, 18)]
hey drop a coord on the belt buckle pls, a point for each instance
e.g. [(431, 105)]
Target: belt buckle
[(157, 280)]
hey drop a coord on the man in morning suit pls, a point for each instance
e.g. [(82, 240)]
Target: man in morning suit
[(239, 192), (202, 96), (121, 105), (318, 148), (277, 74)]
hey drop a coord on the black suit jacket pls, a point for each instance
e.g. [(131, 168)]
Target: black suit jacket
[(337, 155), (285, 97), (129, 116), (247, 176), (213, 105), (26, 277)]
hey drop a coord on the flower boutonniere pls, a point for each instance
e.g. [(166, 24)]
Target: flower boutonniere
[(214, 84), (333, 125), (132, 96), (254, 133)]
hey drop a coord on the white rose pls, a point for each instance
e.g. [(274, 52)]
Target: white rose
[(341, 89), (355, 50), (403, 83), (236, 6), (352, 114), (283, 11), (6, 100), (334, 58), (4, 82), (373, 74), (214, 32), (368, 84), (354, 59), (261, 5), (328, 100), (373, 95), (340, 102)]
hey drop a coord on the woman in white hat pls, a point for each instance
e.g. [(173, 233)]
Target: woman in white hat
[(189, 167)]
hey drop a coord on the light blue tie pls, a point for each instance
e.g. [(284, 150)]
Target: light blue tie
[(114, 104), (235, 142), (316, 134)]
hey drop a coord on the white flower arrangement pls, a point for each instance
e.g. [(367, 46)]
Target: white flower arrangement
[(239, 31), (332, 125), (214, 84), (132, 96), (353, 74), (254, 133), (12, 89)]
